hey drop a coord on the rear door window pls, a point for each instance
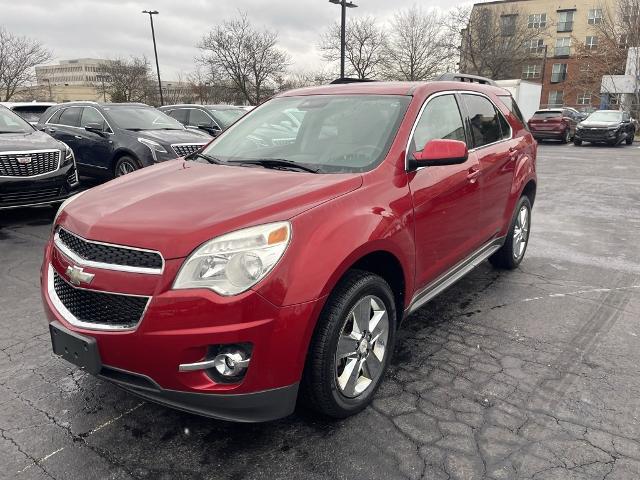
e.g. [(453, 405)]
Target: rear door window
[(91, 115), (198, 117), (70, 117), (484, 120)]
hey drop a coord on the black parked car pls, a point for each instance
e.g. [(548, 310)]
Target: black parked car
[(212, 119), (30, 111), (606, 126), (110, 140), (35, 169)]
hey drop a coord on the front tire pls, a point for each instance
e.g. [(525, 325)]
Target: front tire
[(630, 138), (125, 165), (512, 252), (577, 142), (351, 347)]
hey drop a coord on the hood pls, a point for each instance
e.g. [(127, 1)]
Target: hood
[(36, 140), (592, 124), (170, 137), (175, 206)]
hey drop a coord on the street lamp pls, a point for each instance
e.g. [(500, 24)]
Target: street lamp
[(155, 50), (344, 4)]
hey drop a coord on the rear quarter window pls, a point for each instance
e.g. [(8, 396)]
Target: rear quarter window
[(513, 107)]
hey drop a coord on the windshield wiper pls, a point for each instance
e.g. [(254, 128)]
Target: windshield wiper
[(208, 158), (279, 163)]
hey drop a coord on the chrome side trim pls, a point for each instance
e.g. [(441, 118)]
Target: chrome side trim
[(454, 274), (29, 152), (69, 317), (105, 266)]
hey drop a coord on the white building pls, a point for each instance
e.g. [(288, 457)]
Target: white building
[(623, 90)]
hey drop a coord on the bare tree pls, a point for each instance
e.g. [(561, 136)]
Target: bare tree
[(495, 41), (18, 57), (249, 58), (128, 80), (366, 46), (305, 79), (416, 48)]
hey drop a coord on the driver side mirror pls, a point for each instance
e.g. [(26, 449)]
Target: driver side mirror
[(94, 128), (439, 152), (211, 129)]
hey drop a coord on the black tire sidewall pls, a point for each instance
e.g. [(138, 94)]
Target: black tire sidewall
[(524, 200)]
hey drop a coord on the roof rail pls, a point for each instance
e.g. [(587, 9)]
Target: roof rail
[(343, 80), (464, 77)]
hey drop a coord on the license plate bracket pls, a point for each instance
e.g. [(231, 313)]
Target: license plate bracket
[(78, 349)]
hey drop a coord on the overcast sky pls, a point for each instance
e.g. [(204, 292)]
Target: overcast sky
[(115, 28)]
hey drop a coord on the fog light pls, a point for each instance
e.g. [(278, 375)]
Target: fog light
[(231, 364)]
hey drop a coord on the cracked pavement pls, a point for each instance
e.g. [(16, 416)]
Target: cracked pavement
[(531, 374)]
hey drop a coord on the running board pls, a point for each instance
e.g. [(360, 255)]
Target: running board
[(451, 276)]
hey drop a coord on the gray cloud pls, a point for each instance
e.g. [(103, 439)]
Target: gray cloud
[(113, 28)]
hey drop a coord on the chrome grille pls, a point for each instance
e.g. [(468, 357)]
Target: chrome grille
[(184, 149), (103, 310), (102, 255), (29, 164)]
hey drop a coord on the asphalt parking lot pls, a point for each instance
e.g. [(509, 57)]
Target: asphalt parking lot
[(529, 374)]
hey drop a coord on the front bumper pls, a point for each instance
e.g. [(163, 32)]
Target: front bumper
[(597, 135), (17, 192), (179, 327)]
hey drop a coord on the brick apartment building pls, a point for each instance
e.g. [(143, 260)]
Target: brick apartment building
[(561, 35)]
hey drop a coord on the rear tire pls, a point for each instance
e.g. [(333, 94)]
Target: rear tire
[(351, 346), (512, 252), (125, 165)]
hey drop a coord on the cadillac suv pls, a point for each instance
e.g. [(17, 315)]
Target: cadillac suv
[(35, 169), (227, 283), (111, 140), (212, 119)]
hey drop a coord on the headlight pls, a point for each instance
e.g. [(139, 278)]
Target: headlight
[(153, 146), (64, 204), (233, 263), (67, 154)]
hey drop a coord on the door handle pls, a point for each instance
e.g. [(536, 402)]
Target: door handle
[(78, 137), (473, 173)]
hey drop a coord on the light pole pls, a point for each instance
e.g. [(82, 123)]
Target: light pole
[(155, 50), (344, 4)]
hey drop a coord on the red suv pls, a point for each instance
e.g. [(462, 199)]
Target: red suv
[(554, 124), (283, 257)]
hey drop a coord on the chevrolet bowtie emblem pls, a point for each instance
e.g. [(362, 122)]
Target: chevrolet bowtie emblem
[(77, 275)]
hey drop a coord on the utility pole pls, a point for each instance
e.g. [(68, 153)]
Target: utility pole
[(155, 51), (344, 4)]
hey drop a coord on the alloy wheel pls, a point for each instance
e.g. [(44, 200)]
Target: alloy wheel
[(521, 232), (125, 168), (362, 347)]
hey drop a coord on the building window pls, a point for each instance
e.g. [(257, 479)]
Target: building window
[(534, 46), (592, 43), (631, 13), (565, 20), (595, 16), (556, 99), (624, 41), (537, 20), (584, 99), (563, 46), (558, 72), (531, 71), (508, 25)]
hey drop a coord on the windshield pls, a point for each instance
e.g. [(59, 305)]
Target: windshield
[(330, 133), (142, 118), (12, 123), (605, 117), (31, 113), (546, 115), (227, 117)]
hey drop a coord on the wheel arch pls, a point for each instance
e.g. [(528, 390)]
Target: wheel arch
[(122, 152)]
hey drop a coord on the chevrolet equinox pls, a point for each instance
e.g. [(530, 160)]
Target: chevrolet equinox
[(279, 262)]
